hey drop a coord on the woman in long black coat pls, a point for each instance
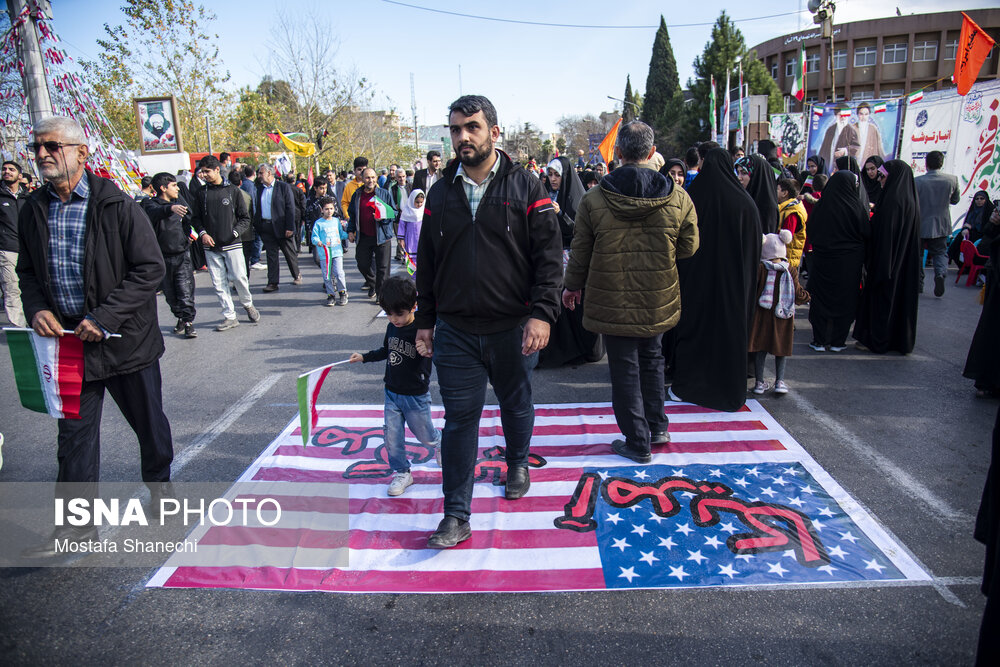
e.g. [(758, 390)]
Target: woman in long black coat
[(838, 230), (762, 189), (718, 290), (983, 362), (887, 314)]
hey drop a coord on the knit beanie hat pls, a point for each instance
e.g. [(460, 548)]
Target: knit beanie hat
[(774, 245)]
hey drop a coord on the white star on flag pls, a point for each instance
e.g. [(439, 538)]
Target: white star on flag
[(808, 489), (628, 573), (621, 544), (788, 554), (653, 516), (826, 512), (780, 481), (873, 565), (648, 557), (641, 474), (753, 471), (696, 556), (838, 552), (715, 472), (775, 568), (667, 542), (728, 528), (817, 524), (745, 557), (684, 528), (639, 530), (603, 474), (790, 471), (795, 501), (829, 569), (713, 542), (614, 518), (728, 570), (742, 482), (849, 537), (677, 473), (687, 494), (769, 492), (678, 572)]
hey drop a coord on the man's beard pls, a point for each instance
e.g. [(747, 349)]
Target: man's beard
[(479, 154), (10, 182)]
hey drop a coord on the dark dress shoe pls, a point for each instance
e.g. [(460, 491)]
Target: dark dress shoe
[(661, 438), (518, 482), (270, 287), (450, 532), (622, 449), (47, 548)]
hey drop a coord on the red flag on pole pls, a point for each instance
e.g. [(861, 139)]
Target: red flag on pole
[(973, 47), (309, 179)]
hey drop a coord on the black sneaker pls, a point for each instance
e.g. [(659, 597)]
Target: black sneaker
[(938, 286), (371, 292), (189, 331), (179, 327), (518, 482), (450, 532), (331, 300), (621, 448)]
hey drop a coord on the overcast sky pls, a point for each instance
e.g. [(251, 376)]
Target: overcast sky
[(534, 73)]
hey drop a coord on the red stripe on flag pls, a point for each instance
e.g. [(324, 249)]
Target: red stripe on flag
[(315, 397), (278, 474), (69, 361), (375, 581), (539, 412)]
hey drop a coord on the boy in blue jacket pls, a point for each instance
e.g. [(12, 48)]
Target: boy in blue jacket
[(327, 235)]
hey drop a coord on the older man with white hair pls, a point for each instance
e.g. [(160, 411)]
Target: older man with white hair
[(81, 225)]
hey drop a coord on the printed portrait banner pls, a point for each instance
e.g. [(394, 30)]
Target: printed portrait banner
[(788, 130), (871, 128), (733, 500), (157, 122)]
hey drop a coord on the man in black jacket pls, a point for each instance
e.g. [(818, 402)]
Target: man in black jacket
[(372, 230), (425, 178), (12, 196), (274, 220), (172, 223), (489, 278), (220, 216), (77, 226)]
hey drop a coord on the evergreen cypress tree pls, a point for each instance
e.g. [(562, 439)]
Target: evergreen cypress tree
[(662, 83), (628, 111)]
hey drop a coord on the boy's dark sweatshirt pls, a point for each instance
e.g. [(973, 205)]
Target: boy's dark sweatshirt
[(406, 372)]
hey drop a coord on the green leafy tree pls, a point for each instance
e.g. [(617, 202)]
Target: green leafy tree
[(721, 54), (163, 47), (253, 117)]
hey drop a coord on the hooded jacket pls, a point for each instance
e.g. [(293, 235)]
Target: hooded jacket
[(122, 269), (629, 233), (221, 212), (172, 230), (10, 209), (489, 274)]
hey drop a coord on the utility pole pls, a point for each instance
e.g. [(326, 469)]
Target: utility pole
[(36, 88), (208, 131), (413, 109)]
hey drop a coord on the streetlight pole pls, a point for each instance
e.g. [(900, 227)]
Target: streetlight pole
[(36, 88)]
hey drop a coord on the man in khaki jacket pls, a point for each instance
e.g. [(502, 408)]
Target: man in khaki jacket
[(629, 233)]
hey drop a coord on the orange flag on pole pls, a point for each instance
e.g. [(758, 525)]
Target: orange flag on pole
[(973, 47), (607, 146)]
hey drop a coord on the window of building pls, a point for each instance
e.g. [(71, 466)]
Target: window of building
[(812, 99), (950, 49), (924, 51), (774, 70), (863, 95), (790, 67), (894, 53), (812, 63), (840, 59), (891, 92), (865, 56)]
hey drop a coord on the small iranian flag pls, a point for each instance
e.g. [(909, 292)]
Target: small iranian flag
[(48, 371), (818, 111), (808, 182), (799, 84), (845, 113), (309, 385), (917, 96), (382, 210), (880, 108)]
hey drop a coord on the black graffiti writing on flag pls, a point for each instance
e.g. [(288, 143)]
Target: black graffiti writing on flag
[(772, 527), (416, 452), (354, 440), (493, 466)]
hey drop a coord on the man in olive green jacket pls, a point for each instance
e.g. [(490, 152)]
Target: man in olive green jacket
[(629, 233)]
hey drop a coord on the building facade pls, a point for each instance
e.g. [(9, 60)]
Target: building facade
[(877, 59)]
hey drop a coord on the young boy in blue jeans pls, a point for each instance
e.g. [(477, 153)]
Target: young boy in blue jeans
[(327, 236), (407, 381)]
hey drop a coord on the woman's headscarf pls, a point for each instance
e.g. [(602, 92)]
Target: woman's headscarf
[(570, 193), (410, 212), (673, 162), (762, 190), (819, 162), (977, 217), (848, 163), (872, 187)]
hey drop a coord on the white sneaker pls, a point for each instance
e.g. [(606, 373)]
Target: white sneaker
[(400, 480), (259, 266), (760, 388), (780, 387)]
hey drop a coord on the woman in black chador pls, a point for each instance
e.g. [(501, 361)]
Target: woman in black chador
[(887, 314), (983, 362), (838, 230), (718, 290), (762, 190)]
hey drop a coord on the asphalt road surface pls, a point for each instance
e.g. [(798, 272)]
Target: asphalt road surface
[(905, 436)]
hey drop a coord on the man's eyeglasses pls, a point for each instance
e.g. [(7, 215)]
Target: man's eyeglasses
[(50, 146)]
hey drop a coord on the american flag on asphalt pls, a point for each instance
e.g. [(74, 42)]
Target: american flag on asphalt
[(732, 500)]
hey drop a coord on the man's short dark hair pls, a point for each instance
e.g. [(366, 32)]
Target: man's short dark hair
[(323, 201), (819, 182), (223, 155), (768, 149), (13, 164), (706, 146), (470, 105), (691, 157), (399, 295), (320, 181), (209, 162), (789, 186), (635, 141), (934, 160), (161, 180), (248, 172), (235, 177), (145, 182), (290, 179), (360, 162), (432, 154)]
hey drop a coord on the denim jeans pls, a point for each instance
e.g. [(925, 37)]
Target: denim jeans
[(464, 363), (334, 279), (413, 411), (637, 393), (937, 252)]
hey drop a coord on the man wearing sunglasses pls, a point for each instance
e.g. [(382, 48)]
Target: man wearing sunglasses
[(89, 263)]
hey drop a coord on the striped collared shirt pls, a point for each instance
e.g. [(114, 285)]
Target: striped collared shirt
[(474, 191), (67, 235)]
